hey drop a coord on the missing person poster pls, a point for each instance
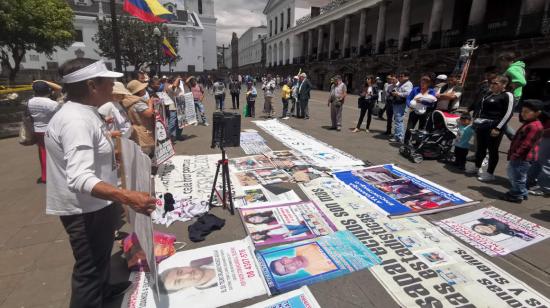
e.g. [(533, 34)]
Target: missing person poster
[(494, 231), (260, 177), (301, 298), (291, 266), (250, 163), (400, 193), (421, 265), (256, 196), (164, 149), (205, 277), (285, 223)]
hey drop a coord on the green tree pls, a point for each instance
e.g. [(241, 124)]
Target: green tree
[(138, 45), (40, 25)]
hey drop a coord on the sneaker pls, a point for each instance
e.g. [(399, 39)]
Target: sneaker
[(338, 129), (393, 139), (115, 290), (206, 124), (537, 192), (486, 177), (286, 118), (367, 131)]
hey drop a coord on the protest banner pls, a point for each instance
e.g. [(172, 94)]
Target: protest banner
[(401, 193), (177, 207), (421, 266), (252, 143), (185, 108), (318, 153), (286, 159), (136, 175), (301, 298), (260, 177), (256, 196), (288, 267), (205, 277), (285, 223), (494, 231), (250, 163), (164, 149)]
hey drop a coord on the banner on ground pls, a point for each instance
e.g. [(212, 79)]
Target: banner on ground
[(401, 193), (285, 223), (317, 152), (253, 143), (291, 266), (301, 298), (286, 159), (164, 149), (494, 231), (250, 163), (205, 277), (257, 196), (177, 207), (260, 177), (421, 266)]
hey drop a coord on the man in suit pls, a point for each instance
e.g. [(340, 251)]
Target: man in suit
[(304, 90)]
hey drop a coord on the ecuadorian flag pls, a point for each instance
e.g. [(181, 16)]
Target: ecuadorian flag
[(169, 51), (147, 10)]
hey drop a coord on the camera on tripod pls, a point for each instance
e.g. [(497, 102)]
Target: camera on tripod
[(226, 130)]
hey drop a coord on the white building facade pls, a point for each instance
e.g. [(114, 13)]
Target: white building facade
[(195, 26), (250, 46)]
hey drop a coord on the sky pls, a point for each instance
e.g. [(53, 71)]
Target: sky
[(237, 16)]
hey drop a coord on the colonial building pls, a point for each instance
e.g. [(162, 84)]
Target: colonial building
[(194, 24), (250, 47), (359, 37)]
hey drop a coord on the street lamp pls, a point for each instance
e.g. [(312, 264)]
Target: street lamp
[(157, 34)]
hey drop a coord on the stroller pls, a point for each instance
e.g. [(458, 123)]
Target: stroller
[(434, 142)]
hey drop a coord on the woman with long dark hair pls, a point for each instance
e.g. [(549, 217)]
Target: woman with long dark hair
[(366, 101)]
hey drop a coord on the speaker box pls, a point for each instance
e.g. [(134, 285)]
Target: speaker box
[(226, 129)]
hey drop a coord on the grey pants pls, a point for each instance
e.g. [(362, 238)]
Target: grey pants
[(336, 115), (303, 111), (540, 170), (268, 105)]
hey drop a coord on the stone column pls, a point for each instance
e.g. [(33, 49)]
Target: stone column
[(331, 38), (434, 32), (529, 8), (381, 26), (345, 45), (362, 29), (404, 26), (319, 42), (309, 44), (477, 12)]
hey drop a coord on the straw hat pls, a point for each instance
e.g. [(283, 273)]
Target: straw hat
[(135, 86), (119, 88)]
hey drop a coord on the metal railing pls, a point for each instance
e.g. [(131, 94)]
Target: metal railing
[(334, 4)]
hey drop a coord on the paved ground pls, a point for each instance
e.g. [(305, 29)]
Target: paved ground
[(36, 261)]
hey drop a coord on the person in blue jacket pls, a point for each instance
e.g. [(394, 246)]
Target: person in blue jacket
[(420, 102)]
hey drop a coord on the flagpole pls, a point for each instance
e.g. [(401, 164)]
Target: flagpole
[(116, 41)]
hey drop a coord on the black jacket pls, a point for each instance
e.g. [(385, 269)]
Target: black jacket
[(365, 101), (497, 107)]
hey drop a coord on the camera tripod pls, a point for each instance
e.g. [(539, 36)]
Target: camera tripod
[(226, 185)]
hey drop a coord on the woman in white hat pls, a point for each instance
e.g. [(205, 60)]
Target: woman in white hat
[(114, 114), (82, 180)]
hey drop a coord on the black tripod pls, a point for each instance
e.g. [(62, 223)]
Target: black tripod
[(226, 184)]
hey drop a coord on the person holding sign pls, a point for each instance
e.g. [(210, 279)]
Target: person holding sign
[(82, 180)]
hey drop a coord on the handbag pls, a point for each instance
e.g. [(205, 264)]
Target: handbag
[(482, 124), (26, 130)]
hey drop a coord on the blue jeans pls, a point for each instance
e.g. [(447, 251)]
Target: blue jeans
[(540, 170), (517, 174), (173, 125), (398, 115), (199, 109), (219, 101)]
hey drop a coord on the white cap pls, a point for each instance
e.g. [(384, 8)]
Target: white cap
[(441, 77), (96, 69)]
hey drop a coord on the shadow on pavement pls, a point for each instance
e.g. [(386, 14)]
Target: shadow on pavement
[(487, 192), (543, 215)]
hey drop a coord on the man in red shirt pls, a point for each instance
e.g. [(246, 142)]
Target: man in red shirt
[(524, 150)]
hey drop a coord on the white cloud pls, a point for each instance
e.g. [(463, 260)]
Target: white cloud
[(237, 16)]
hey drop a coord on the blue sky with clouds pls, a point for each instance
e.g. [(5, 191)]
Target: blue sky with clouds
[(237, 16)]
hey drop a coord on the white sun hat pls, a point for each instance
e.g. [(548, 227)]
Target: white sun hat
[(96, 69)]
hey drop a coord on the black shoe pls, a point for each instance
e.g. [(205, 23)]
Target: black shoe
[(510, 198), (332, 128), (39, 181), (115, 290)]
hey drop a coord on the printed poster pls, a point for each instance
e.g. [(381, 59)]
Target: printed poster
[(291, 266), (205, 277), (260, 177), (494, 231), (301, 298), (177, 207), (285, 223), (256, 196), (250, 163), (252, 143), (286, 159), (400, 193), (185, 108), (164, 149), (421, 265)]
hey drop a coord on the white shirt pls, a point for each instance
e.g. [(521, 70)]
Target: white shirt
[(41, 110), (80, 154), (121, 121)]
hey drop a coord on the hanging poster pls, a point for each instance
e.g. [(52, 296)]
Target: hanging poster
[(494, 231), (256, 196), (301, 298), (291, 266), (421, 265), (285, 223), (164, 149), (205, 277), (317, 152), (400, 193)]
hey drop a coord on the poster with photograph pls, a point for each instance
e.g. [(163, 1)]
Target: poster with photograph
[(285, 223), (417, 255), (494, 231), (185, 109), (261, 177), (291, 266), (301, 298), (286, 159), (400, 193), (250, 163), (306, 173), (205, 277), (164, 149), (256, 196)]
